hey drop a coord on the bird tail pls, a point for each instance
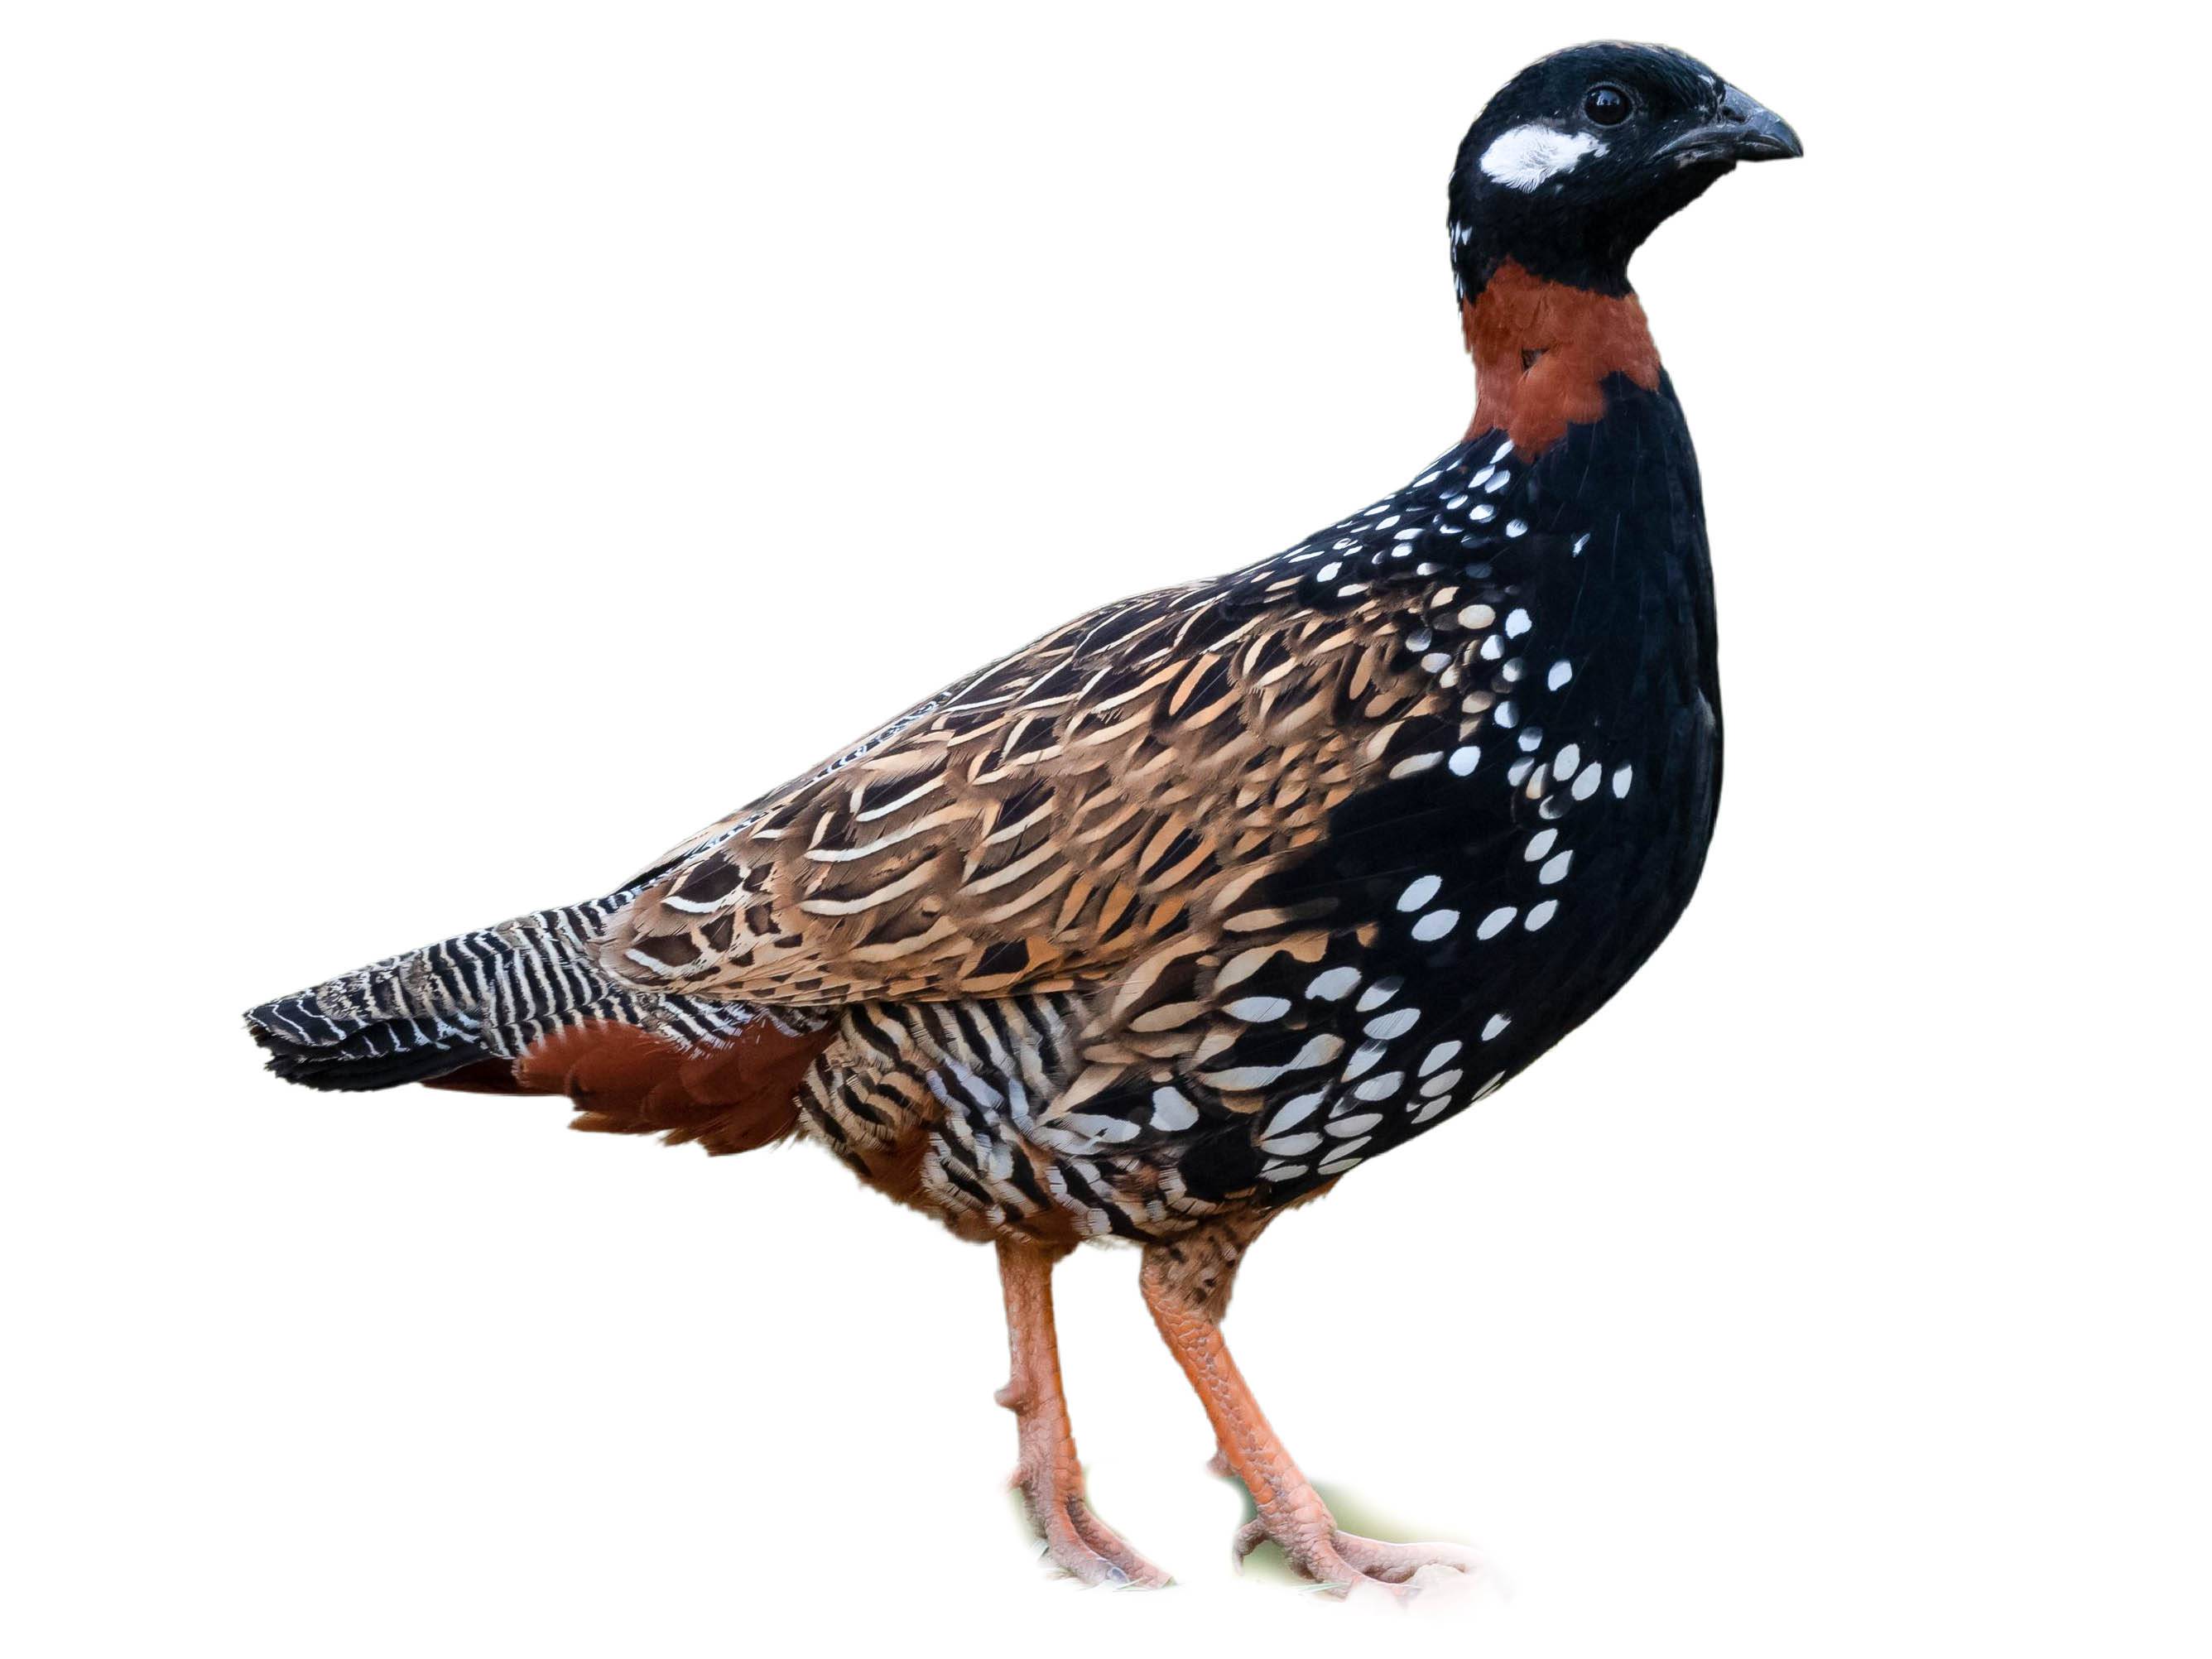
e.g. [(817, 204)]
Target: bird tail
[(462, 1012)]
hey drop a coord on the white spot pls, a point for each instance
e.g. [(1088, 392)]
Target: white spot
[(1464, 760), (1443, 1082), (1281, 1171), (1296, 1111), (1379, 992), (1540, 914), (1517, 771), (1335, 985), (1496, 1023), (1343, 1128), (1434, 1109), (1420, 892), (1586, 785), (1290, 1145), (1318, 1051), (1439, 1055), (1493, 648), (1501, 451), (1239, 1079), (1581, 542), (1509, 714), (1498, 482), (1483, 476), (1568, 759), (1514, 669), (1382, 1087), (1383, 1027), (1622, 777), (1496, 922), (1436, 662), (1477, 616), (1171, 1109), (1555, 868), (1483, 514), (1435, 924), (1413, 765), (1337, 1166), (1561, 672), (1515, 527), (1259, 1009), (1524, 157), (1329, 572), (1363, 1061), (1489, 1087), (1539, 843)]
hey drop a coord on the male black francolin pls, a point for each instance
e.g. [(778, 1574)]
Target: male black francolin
[(1178, 915)]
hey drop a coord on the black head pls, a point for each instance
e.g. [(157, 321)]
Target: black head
[(1583, 154)]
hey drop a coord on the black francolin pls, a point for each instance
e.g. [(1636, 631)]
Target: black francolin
[(1173, 918)]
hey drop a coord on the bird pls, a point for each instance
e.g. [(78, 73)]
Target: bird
[(1164, 923)]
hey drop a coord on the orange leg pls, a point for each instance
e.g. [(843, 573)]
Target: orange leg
[(1049, 1476), (1187, 1306)]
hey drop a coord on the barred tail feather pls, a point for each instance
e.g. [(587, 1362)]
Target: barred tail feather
[(488, 996)]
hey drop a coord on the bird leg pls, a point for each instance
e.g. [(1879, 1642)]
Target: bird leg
[(1186, 1287), (1049, 1476)]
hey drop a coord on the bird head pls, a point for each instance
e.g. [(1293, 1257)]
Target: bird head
[(1585, 153)]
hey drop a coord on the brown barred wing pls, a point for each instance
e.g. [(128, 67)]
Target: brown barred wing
[(1093, 810)]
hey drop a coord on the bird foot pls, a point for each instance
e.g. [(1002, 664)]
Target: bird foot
[(1077, 1542), (1339, 1562)]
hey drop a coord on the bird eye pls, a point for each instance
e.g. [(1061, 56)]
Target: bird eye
[(1607, 106)]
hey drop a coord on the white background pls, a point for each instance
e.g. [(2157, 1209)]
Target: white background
[(453, 450)]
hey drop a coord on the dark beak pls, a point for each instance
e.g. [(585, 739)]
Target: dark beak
[(1744, 130)]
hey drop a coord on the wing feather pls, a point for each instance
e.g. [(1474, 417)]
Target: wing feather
[(1047, 824)]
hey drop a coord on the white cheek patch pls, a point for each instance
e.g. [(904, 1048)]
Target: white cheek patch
[(1525, 157)]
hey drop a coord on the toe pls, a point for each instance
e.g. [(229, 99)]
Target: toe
[(1086, 1549), (1380, 1559), (1107, 1561), (1396, 1565), (1342, 1562)]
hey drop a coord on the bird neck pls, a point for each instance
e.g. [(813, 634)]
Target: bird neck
[(1543, 351)]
